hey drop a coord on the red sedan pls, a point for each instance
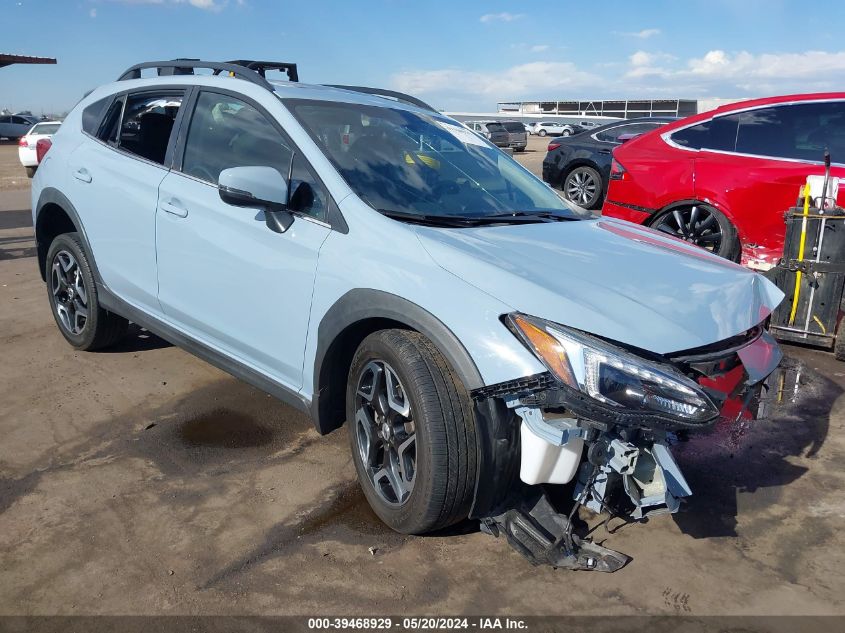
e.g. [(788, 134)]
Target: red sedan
[(723, 179)]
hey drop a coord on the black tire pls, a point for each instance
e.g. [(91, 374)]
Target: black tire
[(30, 172), (100, 327), (541, 133), (566, 133), (728, 244), (839, 341), (445, 443), (577, 185)]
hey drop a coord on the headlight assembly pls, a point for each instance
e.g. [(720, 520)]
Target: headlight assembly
[(612, 376)]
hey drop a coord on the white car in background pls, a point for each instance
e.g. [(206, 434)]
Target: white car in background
[(27, 144), (555, 128)]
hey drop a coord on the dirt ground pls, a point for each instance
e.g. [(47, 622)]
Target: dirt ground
[(143, 481), (12, 173)]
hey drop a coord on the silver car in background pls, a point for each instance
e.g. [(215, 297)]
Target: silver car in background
[(14, 126)]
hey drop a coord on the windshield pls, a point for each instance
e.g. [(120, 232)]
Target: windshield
[(45, 128), (416, 164)]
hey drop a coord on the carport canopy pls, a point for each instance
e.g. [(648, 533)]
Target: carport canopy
[(8, 60)]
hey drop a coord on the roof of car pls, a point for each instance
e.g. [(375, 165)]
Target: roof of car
[(644, 119)]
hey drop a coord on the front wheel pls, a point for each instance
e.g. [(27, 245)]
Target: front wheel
[(566, 133), (541, 133), (702, 225), (412, 432)]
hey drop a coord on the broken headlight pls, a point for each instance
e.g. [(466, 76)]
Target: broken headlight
[(612, 375)]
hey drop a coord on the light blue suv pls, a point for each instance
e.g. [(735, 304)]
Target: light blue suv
[(373, 263)]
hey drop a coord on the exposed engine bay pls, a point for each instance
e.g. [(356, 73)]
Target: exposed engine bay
[(600, 425)]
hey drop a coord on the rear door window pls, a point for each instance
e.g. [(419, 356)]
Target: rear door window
[(718, 134), (797, 131), (147, 123)]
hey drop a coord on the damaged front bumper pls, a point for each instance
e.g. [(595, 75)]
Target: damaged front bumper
[(543, 435)]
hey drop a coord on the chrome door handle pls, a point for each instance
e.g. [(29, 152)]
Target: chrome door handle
[(174, 207), (82, 174)]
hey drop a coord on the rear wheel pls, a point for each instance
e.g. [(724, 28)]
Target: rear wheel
[(583, 186), (73, 297), (702, 225), (412, 433)]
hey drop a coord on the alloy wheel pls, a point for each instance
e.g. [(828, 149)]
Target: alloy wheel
[(693, 224), (69, 292), (581, 188), (385, 432)]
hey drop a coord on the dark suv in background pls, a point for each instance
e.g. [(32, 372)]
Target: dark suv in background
[(517, 135), (493, 131), (580, 164)]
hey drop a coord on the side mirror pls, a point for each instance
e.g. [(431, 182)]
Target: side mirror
[(624, 138), (257, 187)]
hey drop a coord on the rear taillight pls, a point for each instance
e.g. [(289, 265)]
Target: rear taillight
[(618, 172), (552, 145), (41, 148), (23, 141)]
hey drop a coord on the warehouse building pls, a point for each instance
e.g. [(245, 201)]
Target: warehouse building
[(617, 108)]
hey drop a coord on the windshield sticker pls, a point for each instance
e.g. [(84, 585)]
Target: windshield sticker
[(464, 135)]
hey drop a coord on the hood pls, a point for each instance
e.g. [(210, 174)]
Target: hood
[(610, 278)]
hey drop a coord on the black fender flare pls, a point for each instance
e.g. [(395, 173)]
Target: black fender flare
[(360, 306), (51, 195)]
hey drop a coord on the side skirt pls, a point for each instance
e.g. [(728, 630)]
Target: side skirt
[(240, 371)]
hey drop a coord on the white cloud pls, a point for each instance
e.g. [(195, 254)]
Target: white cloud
[(92, 13), (809, 64), (643, 35), (644, 74), (206, 5), (535, 78), (500, 17), (539, 48)]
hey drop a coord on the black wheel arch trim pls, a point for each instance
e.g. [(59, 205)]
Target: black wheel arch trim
[(359, 306), (51, 195)]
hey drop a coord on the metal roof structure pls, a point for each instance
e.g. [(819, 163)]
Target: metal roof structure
[(7, 60), (616, 108)]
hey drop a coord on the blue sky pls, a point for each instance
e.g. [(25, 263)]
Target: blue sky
[(464, 55)]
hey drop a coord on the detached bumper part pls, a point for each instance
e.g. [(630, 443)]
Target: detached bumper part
[(543, 536)]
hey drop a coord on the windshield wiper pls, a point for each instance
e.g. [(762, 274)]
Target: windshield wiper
[(515, 217), (429, 220), (545, 215)]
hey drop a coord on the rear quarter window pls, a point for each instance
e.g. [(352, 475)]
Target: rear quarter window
[(93, 114)]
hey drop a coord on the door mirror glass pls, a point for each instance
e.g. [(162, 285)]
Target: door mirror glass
[(257, 187)]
